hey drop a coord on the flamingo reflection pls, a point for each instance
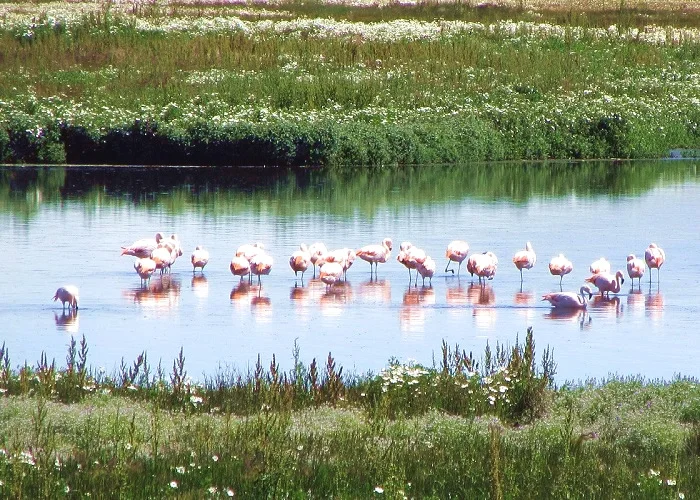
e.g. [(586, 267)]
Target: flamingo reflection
[(200, 286), (162, 294), (608, 306), (413, 313), (580, 316), (654, 305), (67, 321), (375, 291)]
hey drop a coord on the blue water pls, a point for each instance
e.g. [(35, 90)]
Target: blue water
[(650, 330)]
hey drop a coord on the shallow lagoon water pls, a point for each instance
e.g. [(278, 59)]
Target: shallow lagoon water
[(66, 225)]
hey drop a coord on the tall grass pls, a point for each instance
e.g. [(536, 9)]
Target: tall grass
[(488, 428), (227, 86)]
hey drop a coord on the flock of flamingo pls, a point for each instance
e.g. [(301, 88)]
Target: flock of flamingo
[(158, 254)]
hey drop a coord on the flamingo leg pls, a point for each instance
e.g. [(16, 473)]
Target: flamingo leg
[(447, 268), (521, 276)]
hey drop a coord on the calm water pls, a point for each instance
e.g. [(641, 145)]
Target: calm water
[(63, 226)]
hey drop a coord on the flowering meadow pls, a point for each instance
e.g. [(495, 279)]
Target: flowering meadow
[(492, 427), (286, 83)]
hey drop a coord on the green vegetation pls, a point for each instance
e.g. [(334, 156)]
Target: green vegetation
[(489, 428), (305, 83)]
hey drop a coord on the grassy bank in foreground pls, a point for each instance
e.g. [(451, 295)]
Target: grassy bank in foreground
[(488, 428), (318, 84)]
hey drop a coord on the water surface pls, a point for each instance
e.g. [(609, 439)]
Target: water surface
[(66, 225)]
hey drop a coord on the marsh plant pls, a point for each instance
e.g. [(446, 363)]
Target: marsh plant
[(315, 84), (489, 427)]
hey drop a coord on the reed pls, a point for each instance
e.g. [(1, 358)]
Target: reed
[(365, 86), (409, 431)]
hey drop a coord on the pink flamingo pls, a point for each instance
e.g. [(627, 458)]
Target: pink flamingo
[(200, 258), (248, 251), (635, 268), (261, 265), (655, 258), (67, 294), (164, 256), (145, 267), (330, 273), (343, 256), (484, 265), (607, 282), (560, 266), (569, 300), (142, 248), (411, 256), (300, 261), (525, 259), (600, 266), (239, 266), (456, 251), (375, 254), (317, 250), (426, 268)]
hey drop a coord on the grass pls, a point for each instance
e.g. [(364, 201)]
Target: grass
[(489, 428), (317, 84)]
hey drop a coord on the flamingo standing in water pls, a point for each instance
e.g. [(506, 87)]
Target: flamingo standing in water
[(375, 254), (300, 261), (330, 273), (317, 250), (426, 268), (67, 294), (145, 267), (261, 264), (607, 282), (570, 300), (456, 251), (200, 258), (600, 266), (525, 259), (560, 266), (411, 256), (635, 268), (239, 266), (655, 258), (484, 265), (142, 248)]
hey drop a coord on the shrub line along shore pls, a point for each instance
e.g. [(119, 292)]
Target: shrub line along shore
[(293, 84)]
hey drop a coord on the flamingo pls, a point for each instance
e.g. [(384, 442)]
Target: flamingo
[(411, 256), (330, 273), (239, 266), (343, 256), (560, 266), (655, 258), (67, 294), (200, 258), (300, 260), (143, 247), (600, 266), (569, 300), (248, 251), (164, 256), (261, 264), (607, 282), (316, 250), (426, 269), (635, 268), (145, 267), (375, 254), (484, 265), (525, 259), (457, 251)]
